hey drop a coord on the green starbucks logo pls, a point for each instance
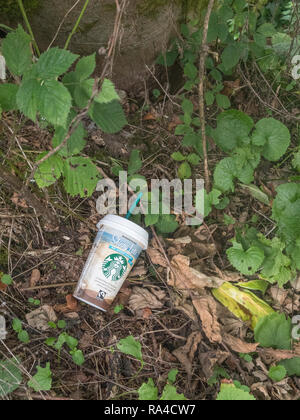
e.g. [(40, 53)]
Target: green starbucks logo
[(114, 266)]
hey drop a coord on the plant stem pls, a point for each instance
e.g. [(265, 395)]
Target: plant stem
[(24, 14), (76, 24)]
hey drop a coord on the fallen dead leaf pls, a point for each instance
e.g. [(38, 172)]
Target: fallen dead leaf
[(156, 257), (72, 303), (146, 313), (35, 277), (186, 353), (271, 355), (278, 295), (142, 298), (40, 318), (207, 310), (210, 359), (238, 345), (20, 202)]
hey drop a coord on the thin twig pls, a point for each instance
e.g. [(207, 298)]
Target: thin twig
[(76, 24), (203, 55)]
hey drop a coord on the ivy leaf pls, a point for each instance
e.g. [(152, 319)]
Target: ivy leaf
[(85, 67), (42, 380), (109, 117), (229, 392), (224, 175), (277, 373), (81, 176), (167, 223), (170, 394), (148, 391), (273, 136), (49, 171), (17, 52), (54, 63), (274, 331), (135, 162), (8, 96), (54, 102), (108, 93), (233, 129), (75, 144), (292, 366), (247, 262), (131, 347), (10, 376)]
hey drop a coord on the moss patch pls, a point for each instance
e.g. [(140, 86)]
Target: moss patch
[(9, 9)]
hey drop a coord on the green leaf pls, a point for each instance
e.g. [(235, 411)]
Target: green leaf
[(10, 376), (148, 391), (275, 331), (258, 285), (247, 262), (78, 357), (28, 97), (49, 171), (292, 366), (170, 394), (6, 279), (233, 129), (75, 144), (267, 29), (167, 223), (295, 161), (17, 325), (71, 342), (8, 96), (42, 380), (277, 373), (273, 136), (108, 93), (172, 375), (184, 171), (209, 98), (17, 52), (232, 55), (178, 157), (81, 176), (187, 106), (223, 101), (54, 102), (82, 92), (61, 324), (118, 309), (191, 71), (24, 337), (54, 63), (85, 67), (135, 162), (224, 175), (257, 193), (131, 347), (109, 117), (151, 219), (193, 159), (232, 393)]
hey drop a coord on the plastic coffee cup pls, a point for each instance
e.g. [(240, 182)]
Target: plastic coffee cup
[(117, 246)]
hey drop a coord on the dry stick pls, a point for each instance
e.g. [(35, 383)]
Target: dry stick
[(203, 55), (96, 90)]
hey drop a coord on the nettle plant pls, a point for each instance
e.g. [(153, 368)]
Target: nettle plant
[(42, 94)]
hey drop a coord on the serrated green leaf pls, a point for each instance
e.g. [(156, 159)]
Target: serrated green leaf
[(273, 136), (274, 331), (267, 29), (81, 176), (277, 373), (178, 157), (108, 93), (17, 52), (109, 117), (83, 92), (292, 366), (229, 392), (54, 102), (28, 97), (131, 346), (187, 106), (10, 376), (135, 162), (172, 375), (54, 63), (295, 161), (247, 262), (49, 171), (184, 171), (8, 96), (75, 144), (191, 71), (209, 98), (193, 159), (223, 101), (17, 325), (224, 175), (23, 336), (42, 380), (232, 55), (233, 129), (170, 394), (85, 67), (148, 391)]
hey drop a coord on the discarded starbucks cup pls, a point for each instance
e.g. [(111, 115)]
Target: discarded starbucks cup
[(117, 246)]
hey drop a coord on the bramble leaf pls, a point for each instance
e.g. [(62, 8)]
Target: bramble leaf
[(131, 347), (42, 380), (109, 117), (81, 176), (49, 171), (229, 392), (148, 391), (10, 376), (17, 52), (85, 67), (54, 63), (8, 96)]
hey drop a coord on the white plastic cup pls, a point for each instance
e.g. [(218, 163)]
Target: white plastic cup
[(117, 246)]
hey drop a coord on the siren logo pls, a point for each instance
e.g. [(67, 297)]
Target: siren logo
[(2, 328), (114, 266), (296, 329), (296, 67)]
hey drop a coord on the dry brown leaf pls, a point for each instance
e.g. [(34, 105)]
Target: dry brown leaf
[(272, 355), (183, 277), (72, 303), (186, 353), (156, 257), (146, 313), (20, 202), (210, 359), (207, 310), (142, 298), (238, 345), (35, 277), (278, 295), (40, 318)]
